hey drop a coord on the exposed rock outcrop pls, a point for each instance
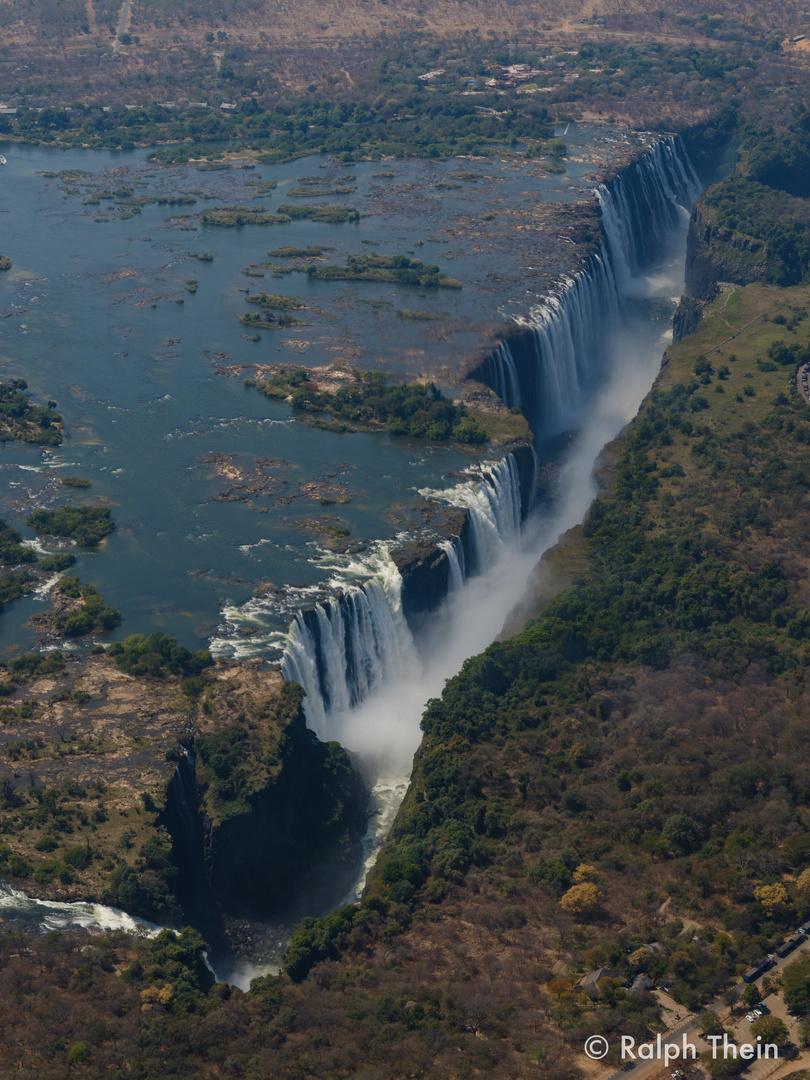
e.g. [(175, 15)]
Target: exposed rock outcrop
[(715, 254), (281, 813), (98, 800), (687, 317), (425, 566)]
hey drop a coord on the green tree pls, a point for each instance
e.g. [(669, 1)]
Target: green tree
[(770, 1029), (681, 834), (722, 1065), (709, 1023), (78, 1053), (796, 985)]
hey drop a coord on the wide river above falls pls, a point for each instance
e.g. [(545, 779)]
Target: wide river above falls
[(224, 502), (215, 489)]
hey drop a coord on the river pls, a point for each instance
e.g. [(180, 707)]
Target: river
[(92, 319)]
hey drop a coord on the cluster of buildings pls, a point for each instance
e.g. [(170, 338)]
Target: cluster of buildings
[(503, 77)]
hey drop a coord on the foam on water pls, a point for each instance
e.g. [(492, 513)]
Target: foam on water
[(59, 915)]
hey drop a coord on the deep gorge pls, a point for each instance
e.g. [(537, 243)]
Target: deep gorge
[(423, 609)]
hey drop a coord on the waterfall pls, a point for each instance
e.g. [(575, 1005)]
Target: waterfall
[(492, 497), (556, 359), (504, 376), (340, 649), (545, 369), (455, 560), (643, 205), (183, 798)]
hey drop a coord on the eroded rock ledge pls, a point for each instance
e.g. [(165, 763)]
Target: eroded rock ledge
[(93, 805)]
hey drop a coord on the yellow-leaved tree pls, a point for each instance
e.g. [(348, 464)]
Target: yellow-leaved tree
[(581, 899), (772, 897)]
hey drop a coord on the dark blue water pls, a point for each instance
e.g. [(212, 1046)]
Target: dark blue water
[(91, 318)]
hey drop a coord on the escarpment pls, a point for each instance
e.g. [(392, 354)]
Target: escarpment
[(166, 797), (715, 253), (283, 811)]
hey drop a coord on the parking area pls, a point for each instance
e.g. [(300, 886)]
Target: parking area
[(680, 1023)]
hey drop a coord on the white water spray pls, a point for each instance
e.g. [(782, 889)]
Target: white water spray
[(68, 915), (560, 359), (587, 362), (343, 648)]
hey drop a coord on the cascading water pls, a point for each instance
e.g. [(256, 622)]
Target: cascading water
[(642, 206), (44, 915), (342, 648), (548, 368), (558, 357), (492, 497), (455, 559)]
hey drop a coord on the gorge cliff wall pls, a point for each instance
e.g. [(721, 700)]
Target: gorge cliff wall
[(265, 818), (715, 254)]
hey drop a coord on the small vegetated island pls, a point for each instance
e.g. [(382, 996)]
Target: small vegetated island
[(323, 212), (311, 192), (396, 268), (229, 217), (77, 610), (21, 419), (311, 251), (372, 404), (274, 314), (232, 216), (87, 525)]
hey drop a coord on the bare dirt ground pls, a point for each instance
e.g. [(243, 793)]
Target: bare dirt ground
[(312, 23)]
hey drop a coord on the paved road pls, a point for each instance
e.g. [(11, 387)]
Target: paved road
[(123, 23), (757, 1070)]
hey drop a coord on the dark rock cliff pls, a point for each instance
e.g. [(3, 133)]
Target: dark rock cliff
[(687, 317), (267, 819), (425, 567), (715, 254)]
